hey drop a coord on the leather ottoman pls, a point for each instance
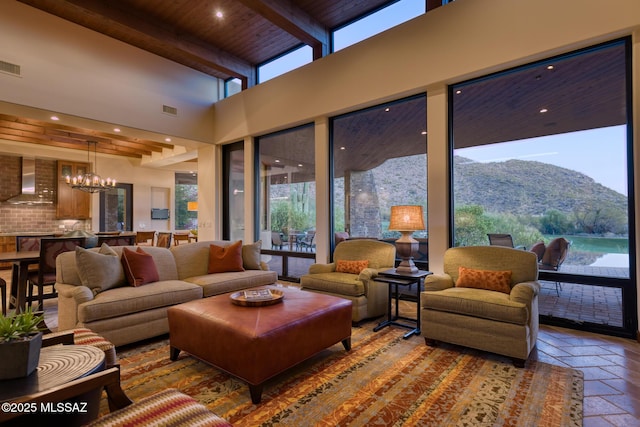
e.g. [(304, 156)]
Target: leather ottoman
[(256, 343)]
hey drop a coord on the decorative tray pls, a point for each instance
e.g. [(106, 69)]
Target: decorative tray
[(257, 297)]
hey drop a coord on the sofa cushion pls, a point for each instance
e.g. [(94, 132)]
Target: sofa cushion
[(251, 256), (128, 299), (219, 283), (476, 303), (353, 267), (335, 283), (499, 281), (223, 259), (139, 267), (99, 270)]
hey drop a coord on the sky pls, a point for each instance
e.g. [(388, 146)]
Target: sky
[(597, 153), (390, 16)]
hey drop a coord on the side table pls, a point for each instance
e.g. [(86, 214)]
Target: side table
[(59, 365), (393, 279)]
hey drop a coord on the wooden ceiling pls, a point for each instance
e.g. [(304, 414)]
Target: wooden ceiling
[(21, 129), (248, 33), (188, 32)]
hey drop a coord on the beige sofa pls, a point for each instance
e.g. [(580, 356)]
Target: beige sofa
[(369, 298), (498, 322), (124, 314)]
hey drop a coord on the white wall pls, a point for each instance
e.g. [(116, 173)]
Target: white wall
[(69, 69)]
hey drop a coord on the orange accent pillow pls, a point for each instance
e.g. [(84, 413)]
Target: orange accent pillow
[(353, 267), (499, 281), (225, 258), (139, 267)]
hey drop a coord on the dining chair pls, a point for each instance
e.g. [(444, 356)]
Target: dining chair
[(145, 238), (50, 248), (554, 255), (277, 242), (164, 239), (180, 237)]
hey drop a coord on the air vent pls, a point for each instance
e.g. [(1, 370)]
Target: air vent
[(170, 110), (9, 68)]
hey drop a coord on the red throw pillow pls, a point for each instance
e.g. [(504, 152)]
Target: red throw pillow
[(484, 279), (353, 267), (225, 258), (139, 267)]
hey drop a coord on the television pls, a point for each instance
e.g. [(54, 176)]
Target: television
[(159, 213)]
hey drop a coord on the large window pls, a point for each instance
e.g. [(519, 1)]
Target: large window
[(287, 199), (186, 201), (233, 194), (285, 63), (542, 152), (377, 22), (379, 160)]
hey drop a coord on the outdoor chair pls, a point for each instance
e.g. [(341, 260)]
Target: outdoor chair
[(497, 239), (554, 255), (276, 241), (307, 241)]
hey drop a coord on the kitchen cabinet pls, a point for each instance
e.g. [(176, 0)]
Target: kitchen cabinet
[(72, 204)]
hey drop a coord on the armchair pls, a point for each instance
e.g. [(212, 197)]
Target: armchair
[(369, 298), (489, 320)]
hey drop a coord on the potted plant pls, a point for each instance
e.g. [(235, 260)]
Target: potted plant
[(20, 343)]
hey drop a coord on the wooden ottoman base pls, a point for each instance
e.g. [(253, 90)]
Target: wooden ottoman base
[(256, 343)]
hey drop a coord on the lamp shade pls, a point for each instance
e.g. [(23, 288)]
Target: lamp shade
[(406, 218), (192, 206)]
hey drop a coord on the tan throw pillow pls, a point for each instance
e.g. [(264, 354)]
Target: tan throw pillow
[(499, 281), (100, 270), (139, 267), (223, 259), (251, 256), (353, 267)]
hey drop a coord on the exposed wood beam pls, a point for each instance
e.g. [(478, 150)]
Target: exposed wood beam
[(145, 33), (295, 21)]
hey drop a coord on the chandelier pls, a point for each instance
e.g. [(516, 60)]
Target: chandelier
[(91, 182)]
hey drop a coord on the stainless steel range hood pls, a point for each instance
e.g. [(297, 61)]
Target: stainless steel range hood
[(28, 194)]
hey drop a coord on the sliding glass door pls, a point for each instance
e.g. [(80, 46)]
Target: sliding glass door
[(543, 152)]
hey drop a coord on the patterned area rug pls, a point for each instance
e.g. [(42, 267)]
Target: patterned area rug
[(384, 380)]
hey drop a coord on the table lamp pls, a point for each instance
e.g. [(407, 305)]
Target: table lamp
[(406, 219)]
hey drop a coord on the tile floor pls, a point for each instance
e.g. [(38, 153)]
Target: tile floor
[(611, 367)]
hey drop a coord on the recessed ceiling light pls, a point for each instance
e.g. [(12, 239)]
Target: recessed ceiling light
[(277, 161), (387, 109), (343, 148), (167, 139), (116, 129), (55, 118), (550, 67), (299, 165), (458, 92), (219, 14), (424, 132), (543, 110)]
